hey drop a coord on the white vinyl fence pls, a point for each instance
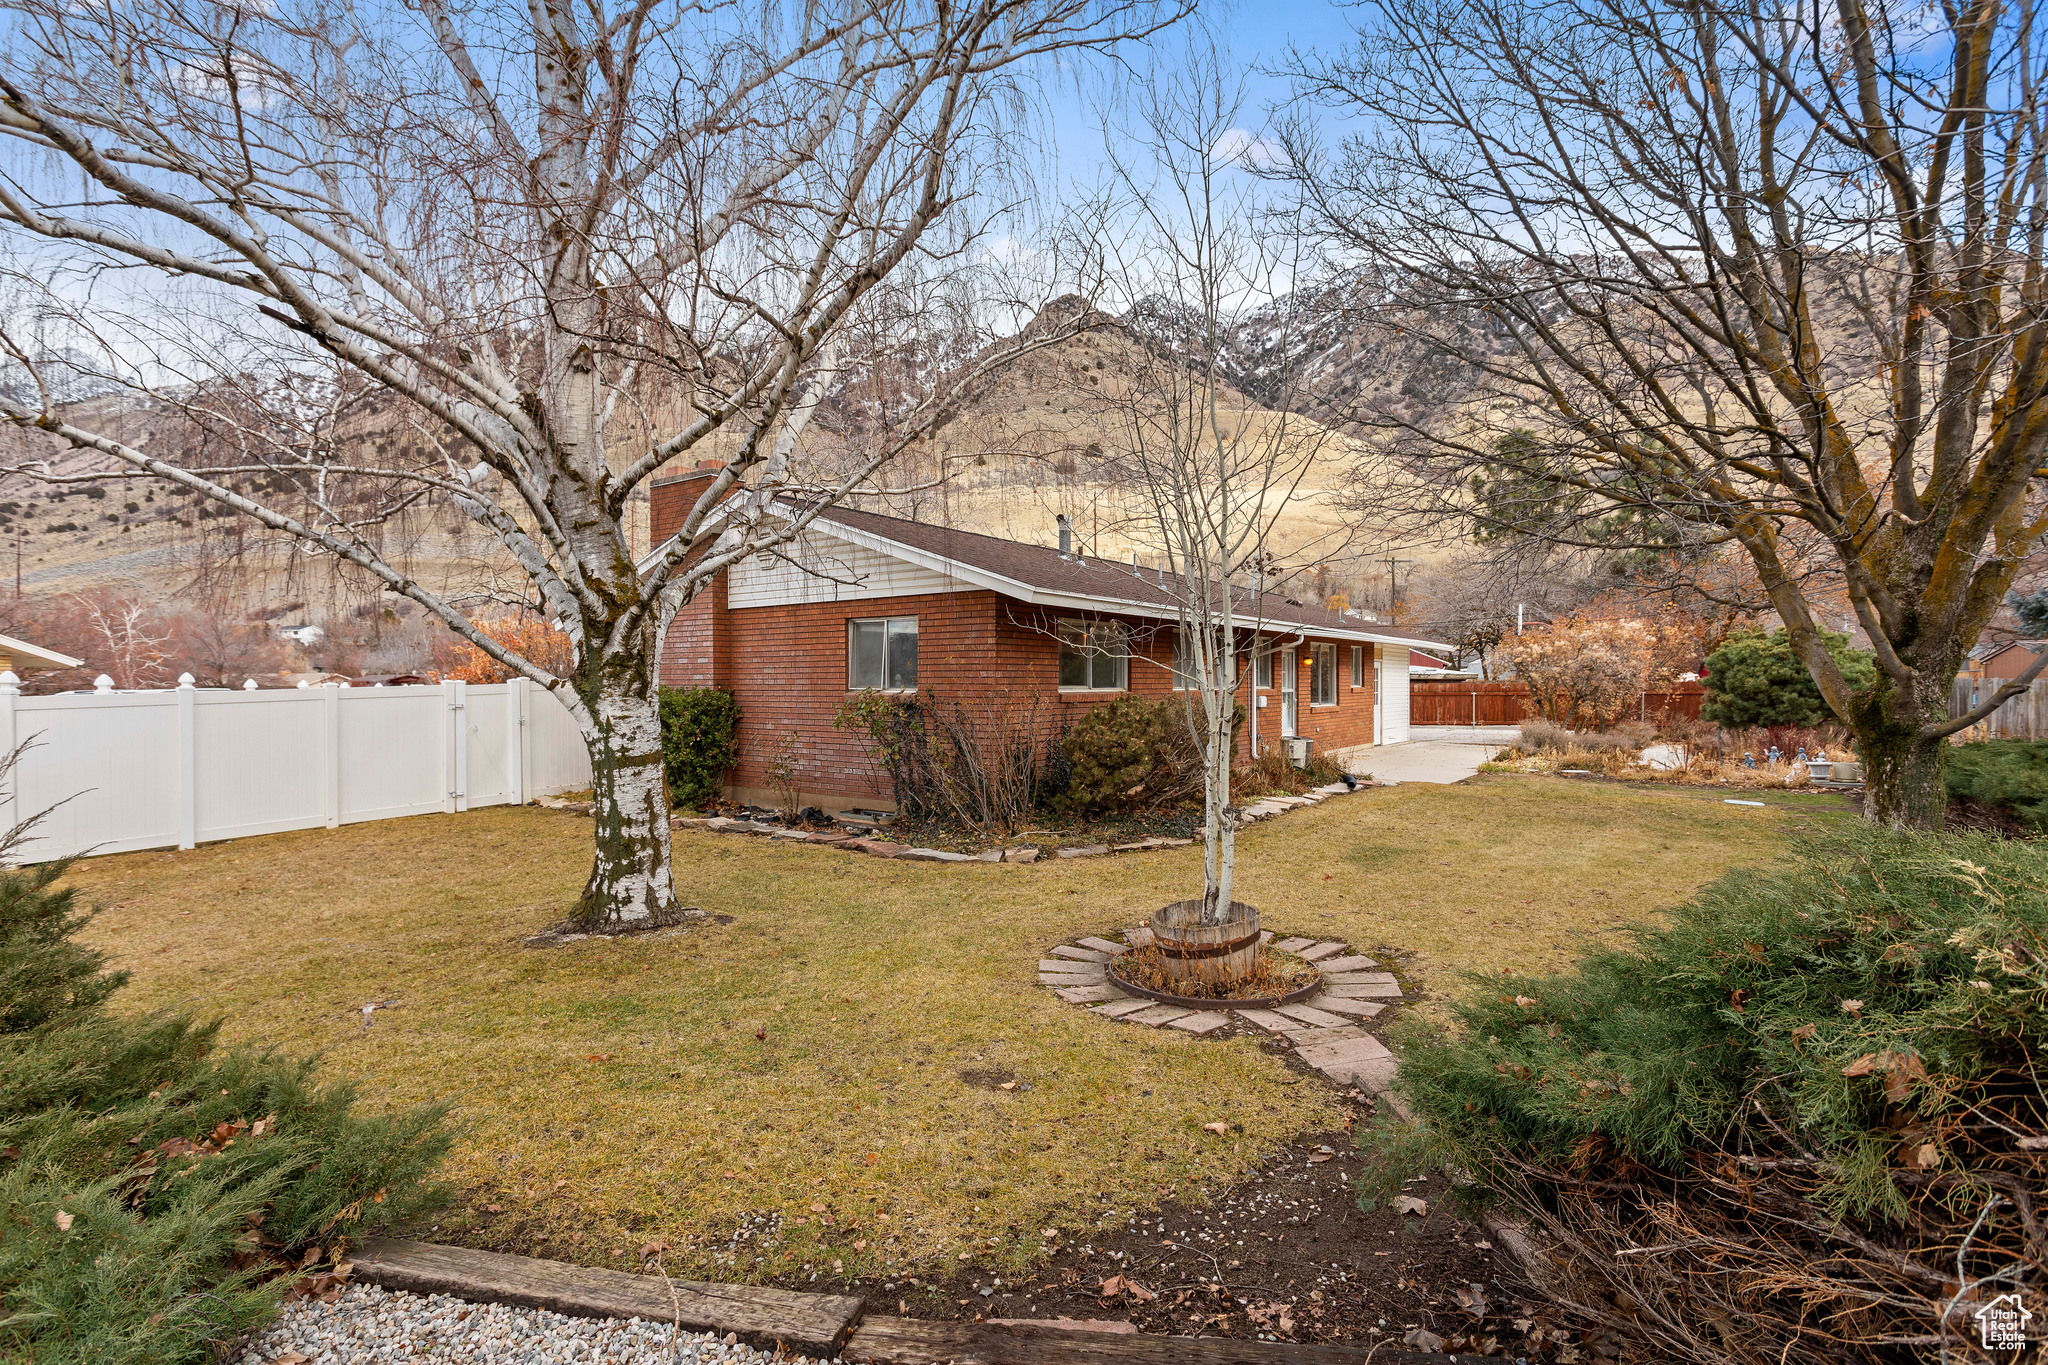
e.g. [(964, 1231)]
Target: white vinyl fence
[(183, 766)]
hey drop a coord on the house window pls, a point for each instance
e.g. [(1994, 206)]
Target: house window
[(881, 654), (1187, 663), (1094, 655), (1322, 678), (1262, 671), (1358, 665)]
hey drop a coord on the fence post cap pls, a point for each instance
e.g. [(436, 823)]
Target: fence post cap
[(303, 684), (103, 683), (185, 682), (248, 684), (8, 682)]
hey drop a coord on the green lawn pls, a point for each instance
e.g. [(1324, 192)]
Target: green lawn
[(619, 1092)]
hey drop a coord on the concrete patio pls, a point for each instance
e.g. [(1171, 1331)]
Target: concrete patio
[(1434, 753)]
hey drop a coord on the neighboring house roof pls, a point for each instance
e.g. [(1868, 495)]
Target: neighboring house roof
[(1417, 659), (23, 655), (1041, 575)]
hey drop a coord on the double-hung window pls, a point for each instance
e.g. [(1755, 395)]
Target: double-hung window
[(1094, 656), (1262, 669), (1358, 665), (881, 654), (1322, 678)]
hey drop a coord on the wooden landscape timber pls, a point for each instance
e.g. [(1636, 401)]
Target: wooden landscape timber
[(816, 1324)]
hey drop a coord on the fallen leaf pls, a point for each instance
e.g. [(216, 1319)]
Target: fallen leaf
[(652, 1249), (598, 1057), (1424, 1340), (1219, 1129), (817, 1208), (1526, 1002), (1472, 1298), (63, 1221), (860, 1245), (1802, 1034), (1319, 1158), (1408, 1203), (1925, 1157), (1007, 1085), (1854, 1007)]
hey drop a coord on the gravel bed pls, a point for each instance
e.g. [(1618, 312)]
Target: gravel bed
[(370, 1326)]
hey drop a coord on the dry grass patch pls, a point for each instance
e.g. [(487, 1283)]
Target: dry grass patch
[(818, 1065)]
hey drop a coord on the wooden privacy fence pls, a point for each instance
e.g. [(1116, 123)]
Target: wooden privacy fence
[(2022, 717), (185, 765), (1507, 703)]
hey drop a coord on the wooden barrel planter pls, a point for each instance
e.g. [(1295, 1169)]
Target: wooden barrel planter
[(1210, 954)]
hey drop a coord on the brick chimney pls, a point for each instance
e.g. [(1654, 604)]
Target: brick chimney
[(671, 496)]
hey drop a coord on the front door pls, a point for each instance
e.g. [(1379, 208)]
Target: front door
[(1288, 676)]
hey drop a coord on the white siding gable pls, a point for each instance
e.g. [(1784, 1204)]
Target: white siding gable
[(1393, 725), (821, 568)]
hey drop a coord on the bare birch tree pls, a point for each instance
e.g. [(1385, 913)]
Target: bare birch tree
[(1758, 275), (1192, 253), (538, 251)]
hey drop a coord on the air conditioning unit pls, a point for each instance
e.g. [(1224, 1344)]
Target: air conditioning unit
[(1298, 750)]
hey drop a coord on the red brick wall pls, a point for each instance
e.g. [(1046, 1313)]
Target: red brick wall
[(787, 667)]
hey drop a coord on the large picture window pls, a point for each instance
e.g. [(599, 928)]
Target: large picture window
[(1095, 656), (881, 654), (1322, 678)]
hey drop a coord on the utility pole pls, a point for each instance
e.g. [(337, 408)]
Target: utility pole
[(1518, 618), (17, 561), (1393, 583)]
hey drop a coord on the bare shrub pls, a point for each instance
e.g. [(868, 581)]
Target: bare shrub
[(984, 763)]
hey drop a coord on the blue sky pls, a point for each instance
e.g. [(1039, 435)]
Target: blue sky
[(1258, 36)]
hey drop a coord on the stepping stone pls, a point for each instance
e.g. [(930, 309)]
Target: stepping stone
[(1362, 990), (1090, 851), (1396, 1103), (803, 834), (1175, 843), (1070, 979), (1081, 954), (1262, 810), (1265, 937), (1020, 855), (1157, 1015), (933, 855), (1123, 1007), (1339, 966), (1344, 1051), (825, 837), (1344, 1004), (989, 855), (1315, 1037), (1335, 789), (1142, 846), (881, 848), (1140, 937), (1059, 966), (1103, 945), (1204, 1021), (1323, 950), (1294, 945), (1271, 1022), (1084, 995), (1374, 1075), (1310, 1015)]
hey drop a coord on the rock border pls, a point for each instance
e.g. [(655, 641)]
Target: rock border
[(1265, 809), (1324, 1030)]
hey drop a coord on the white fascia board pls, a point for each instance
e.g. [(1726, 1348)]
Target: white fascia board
[(36, 654), (1057, 601)]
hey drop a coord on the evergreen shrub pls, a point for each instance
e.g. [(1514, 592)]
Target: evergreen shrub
[(2008, 775), (700, 732), (160, 1192), (1812, 1090)]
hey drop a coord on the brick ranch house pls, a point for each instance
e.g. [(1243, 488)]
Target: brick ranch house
[(870, 601)]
